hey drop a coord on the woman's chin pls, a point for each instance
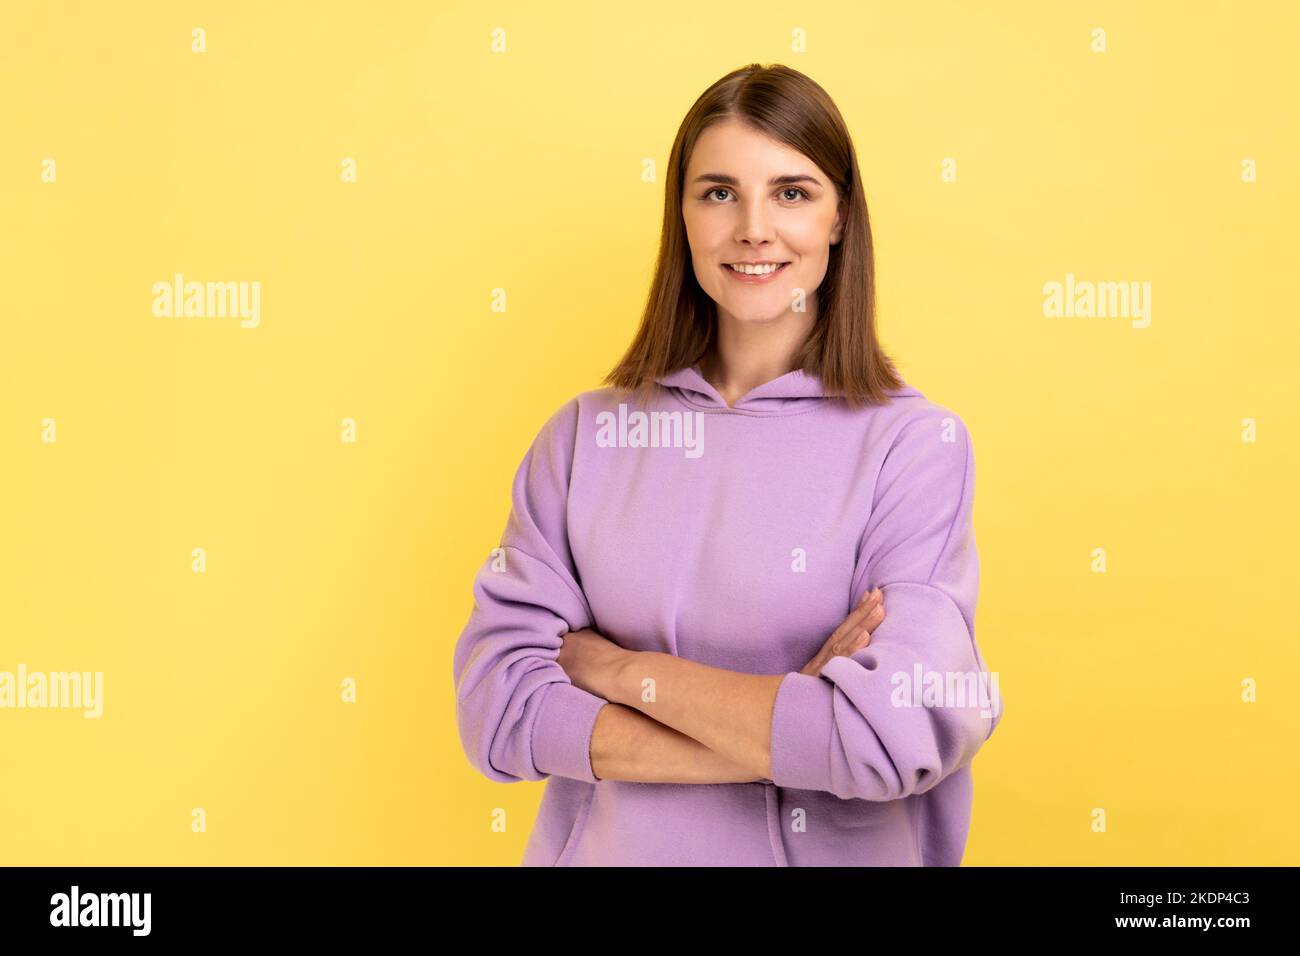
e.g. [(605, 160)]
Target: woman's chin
[(751, 315)]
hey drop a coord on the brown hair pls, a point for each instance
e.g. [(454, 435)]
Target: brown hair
[(679, 323)]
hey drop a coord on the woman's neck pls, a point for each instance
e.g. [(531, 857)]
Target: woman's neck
[(746, 355)]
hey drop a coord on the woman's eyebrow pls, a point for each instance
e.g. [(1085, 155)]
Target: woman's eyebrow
[(774, 181)]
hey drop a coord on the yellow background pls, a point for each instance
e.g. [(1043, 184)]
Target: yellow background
[(521, 170)]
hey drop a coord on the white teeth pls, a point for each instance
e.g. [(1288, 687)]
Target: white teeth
[(757, 270)]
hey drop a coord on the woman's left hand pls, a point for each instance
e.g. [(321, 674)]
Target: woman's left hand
[(590, 659)]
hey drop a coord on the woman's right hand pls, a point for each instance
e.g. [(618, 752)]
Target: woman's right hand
[(853, 635)]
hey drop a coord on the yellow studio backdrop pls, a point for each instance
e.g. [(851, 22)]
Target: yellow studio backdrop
[(262, 527)]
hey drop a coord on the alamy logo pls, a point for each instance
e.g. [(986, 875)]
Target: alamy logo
[(652, 430), (212, 300), (60, 689), (1098, 300), (102, 909), (923, 688)]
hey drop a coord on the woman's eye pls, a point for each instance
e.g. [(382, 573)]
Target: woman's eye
[(795, 189), (718, 189)]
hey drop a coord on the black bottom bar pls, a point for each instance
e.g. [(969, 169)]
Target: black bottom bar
[(500, 905)]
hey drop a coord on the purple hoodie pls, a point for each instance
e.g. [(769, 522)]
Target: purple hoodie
[(741, 537)]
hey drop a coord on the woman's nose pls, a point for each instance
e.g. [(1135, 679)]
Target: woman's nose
[(755, 224)]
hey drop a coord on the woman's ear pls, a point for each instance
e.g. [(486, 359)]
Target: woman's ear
[(837, 230)]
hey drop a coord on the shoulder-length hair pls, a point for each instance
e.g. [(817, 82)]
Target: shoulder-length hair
[(680, 319)]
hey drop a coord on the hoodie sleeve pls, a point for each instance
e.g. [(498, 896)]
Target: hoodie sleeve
[(857, 730), (519, 715)]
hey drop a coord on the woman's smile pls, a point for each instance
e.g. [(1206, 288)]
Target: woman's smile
[(753, 275)]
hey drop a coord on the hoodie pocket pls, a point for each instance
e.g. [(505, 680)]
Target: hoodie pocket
[(665, 824), (821, 829), (575, 834)]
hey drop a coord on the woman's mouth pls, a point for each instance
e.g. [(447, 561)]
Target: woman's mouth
[(757, 274)]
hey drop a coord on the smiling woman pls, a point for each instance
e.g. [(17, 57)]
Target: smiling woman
[(701, 651)]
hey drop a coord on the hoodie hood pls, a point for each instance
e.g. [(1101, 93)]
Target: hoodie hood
[(793, 392)]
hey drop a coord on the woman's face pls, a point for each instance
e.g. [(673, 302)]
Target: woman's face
[(750, 198)]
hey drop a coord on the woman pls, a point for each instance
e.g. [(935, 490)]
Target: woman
[(684, 626)]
